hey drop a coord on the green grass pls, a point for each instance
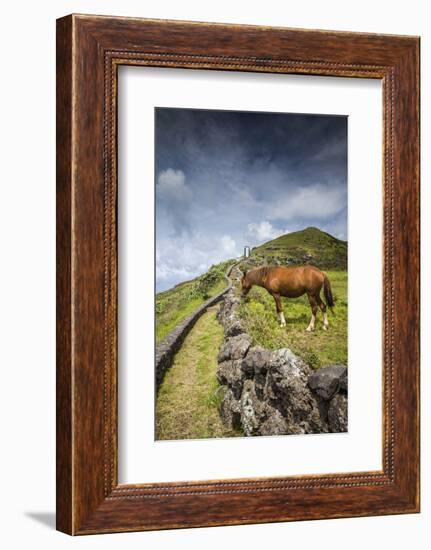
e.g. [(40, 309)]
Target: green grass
[(318, 348), (174, 305), (189, 398)]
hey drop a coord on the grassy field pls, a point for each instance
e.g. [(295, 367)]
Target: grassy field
[(174, 305), (189, 397), (318, 348)]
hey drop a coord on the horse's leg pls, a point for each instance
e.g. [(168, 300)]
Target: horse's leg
[(322, 306), (313, 305), (279, 310)]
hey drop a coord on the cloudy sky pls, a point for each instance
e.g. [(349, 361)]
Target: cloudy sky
[(226, 179)]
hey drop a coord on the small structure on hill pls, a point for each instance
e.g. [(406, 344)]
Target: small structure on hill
[(246, 252)]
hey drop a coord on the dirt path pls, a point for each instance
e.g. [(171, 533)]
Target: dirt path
[(189, 397)]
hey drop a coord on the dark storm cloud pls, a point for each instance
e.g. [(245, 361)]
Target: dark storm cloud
[(225, 179)]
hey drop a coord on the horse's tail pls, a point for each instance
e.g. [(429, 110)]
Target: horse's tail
[(329, 299)]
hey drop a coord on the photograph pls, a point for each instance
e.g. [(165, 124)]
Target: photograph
[(215, 233), (251, 273)]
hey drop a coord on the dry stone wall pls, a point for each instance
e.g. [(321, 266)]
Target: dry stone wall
[(275, 392)]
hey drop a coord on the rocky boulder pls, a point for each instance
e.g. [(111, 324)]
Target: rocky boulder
[(230, 410), (229, 374), (227, 314), (253, 410), (274, 424), (255, 365), (287, 390), (338, 414), (327, 381), (234, 347), (256, 361), (234, 329)]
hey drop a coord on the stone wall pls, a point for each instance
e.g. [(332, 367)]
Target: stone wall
[(169, 346), (275, 392)]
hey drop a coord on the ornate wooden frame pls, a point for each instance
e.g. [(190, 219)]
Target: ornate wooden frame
[(89, 51)]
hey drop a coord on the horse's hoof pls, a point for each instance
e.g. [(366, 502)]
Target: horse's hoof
[(325, 328), (308, 329)]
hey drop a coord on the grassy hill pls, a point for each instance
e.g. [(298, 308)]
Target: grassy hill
[(309, 246)]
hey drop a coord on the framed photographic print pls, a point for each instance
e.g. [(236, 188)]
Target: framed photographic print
[(237, 274)]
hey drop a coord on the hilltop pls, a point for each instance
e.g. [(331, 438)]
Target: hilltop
[(309, 246)]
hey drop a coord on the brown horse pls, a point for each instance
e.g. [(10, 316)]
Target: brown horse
[(292, 282)]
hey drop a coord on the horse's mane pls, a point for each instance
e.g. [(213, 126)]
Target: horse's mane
[(264, 270), (259, 273)]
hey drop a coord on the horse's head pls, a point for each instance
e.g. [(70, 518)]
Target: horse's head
[(245, 285)]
